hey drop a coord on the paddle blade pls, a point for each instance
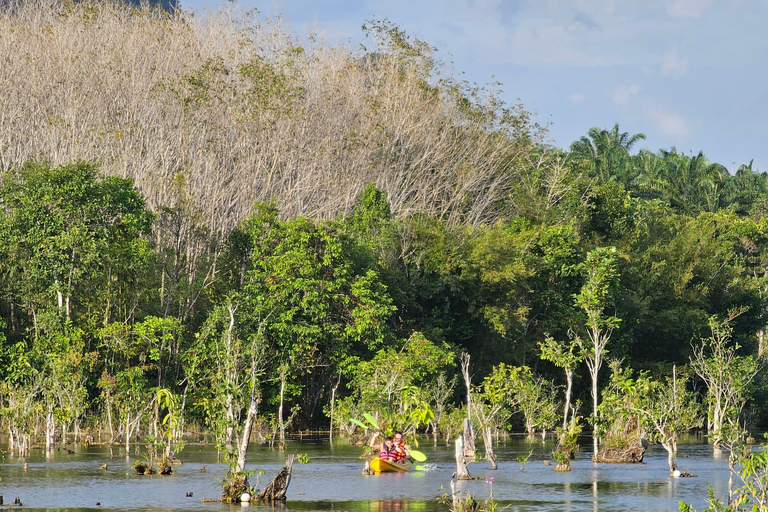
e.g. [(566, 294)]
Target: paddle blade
[(359, 424), (371, 420), (418, 468), (417, 455)]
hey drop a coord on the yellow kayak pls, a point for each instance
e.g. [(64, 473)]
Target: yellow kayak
[(379, 466)]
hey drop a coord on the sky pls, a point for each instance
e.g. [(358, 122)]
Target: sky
[(689, 74)]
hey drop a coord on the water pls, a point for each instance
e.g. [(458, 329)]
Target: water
[(332, 481)]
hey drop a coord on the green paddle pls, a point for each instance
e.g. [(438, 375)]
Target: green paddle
[(372, 421), (417, 455)]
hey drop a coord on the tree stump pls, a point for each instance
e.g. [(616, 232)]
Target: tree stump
[(632, 453), (468, 440), (462, 473), (277, 488)]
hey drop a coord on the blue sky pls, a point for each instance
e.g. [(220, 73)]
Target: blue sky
[(686, 73)]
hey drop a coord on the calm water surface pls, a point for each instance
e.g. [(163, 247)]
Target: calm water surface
[(332, 481)]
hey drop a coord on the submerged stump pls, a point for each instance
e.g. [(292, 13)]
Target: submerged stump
[(235, 488), (462, 473), (143, 468), (632, 453), (277, 488)]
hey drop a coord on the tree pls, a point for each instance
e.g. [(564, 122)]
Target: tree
[(606, 152), (690, 184), (318, 311), (667, 409), (566, 356), (70, 234), (726, 373), (535, 397), (594, 299), (492, 404), (400, 383)]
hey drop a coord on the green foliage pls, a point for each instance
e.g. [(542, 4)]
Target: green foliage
[(727, 374), (479, 238), (523, 459), (395, 384), (605, 153), (71, 234)]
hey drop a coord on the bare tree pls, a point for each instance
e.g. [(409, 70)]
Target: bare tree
[(228, 108)]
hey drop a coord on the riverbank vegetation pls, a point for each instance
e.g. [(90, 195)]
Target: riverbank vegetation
[(210, 222)]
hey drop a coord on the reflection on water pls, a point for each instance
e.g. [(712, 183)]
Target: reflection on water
[(332, 481)]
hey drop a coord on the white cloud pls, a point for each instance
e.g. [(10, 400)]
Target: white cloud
[(674, 65), (670, 124), (576, 98), (688, 8), (622, 94)]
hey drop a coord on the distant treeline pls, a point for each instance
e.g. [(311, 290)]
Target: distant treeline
[(213, 209)]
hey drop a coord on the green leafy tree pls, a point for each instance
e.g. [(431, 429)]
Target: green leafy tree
[(399, 384), (668, 410), (726, 373), (595, 299), (70, 234), (567, 356), (606, 153)]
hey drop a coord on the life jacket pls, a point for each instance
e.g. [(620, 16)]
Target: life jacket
[(400, 454), (388, 453)]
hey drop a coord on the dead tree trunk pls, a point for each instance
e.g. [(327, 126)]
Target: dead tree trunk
[(468, 440), (333, 403), (462, 473), (277, 488), (469, 433), (50, 429)]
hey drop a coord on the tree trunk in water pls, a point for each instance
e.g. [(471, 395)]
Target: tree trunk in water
[(127, 435), (109, 417), (488, 441), (568, 390), (670, 457), (469, 440), (50, 427), (731, 464), (230, 408), (280, 422), (467, 383), (333, 403), (277, 488), (594, 412), (242, 449), (462, 473)]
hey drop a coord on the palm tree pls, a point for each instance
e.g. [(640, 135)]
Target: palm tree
[(691, 184), (606, 153), (747, 190)]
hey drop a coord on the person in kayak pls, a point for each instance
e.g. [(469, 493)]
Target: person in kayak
[(401, 448), (388, 450)]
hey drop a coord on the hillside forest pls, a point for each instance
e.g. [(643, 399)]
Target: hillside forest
[(211, 224)]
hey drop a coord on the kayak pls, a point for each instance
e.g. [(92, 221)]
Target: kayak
[(383, 466)]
